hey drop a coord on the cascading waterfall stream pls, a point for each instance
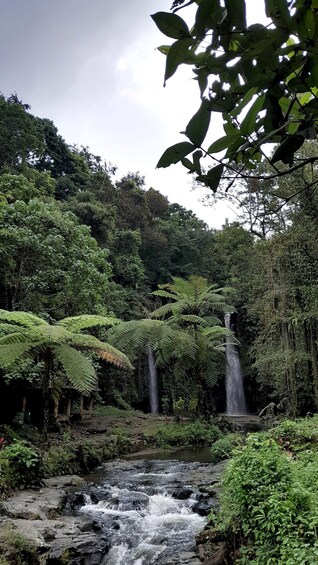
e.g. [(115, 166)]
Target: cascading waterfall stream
[(153, 383), (235, 397), (146, 512)]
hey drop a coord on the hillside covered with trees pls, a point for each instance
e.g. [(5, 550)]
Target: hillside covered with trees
[(76, 241)]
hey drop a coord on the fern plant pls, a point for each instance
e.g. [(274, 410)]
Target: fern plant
[(24, 336), (185, 334)]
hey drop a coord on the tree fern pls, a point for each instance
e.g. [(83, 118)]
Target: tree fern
[(86, 321), (24, 319), (26, 335), (11, 353), (79, 370)]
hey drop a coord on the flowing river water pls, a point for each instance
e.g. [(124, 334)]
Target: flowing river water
[(149, 510)]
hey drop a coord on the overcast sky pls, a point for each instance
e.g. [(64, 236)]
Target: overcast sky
[(92, 68)]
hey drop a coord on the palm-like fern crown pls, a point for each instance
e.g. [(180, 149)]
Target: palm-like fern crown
[(194, 301), (167, 339), (25, 335)]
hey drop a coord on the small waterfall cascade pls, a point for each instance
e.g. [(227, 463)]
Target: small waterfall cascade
[(235, 397), (146, 513), (153, 383)]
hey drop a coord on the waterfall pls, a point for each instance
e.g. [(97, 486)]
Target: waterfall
[(153, 383), (235, 397)]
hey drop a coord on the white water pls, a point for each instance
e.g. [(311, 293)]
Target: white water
[(153, 383), (145, 522), (235, 397)]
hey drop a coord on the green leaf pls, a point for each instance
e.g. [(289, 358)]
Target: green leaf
[(214, 176), (206, 7), (245, 100), (236, 13), (171, 25), (286, 150), (279, 12), (188, 164), (306, 24), (248, 124), (174, 154), (223, 143), (198, 126), (176, 55)]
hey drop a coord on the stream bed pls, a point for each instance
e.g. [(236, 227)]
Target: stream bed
[(149, 510)]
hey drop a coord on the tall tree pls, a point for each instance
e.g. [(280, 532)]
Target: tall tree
[(63, 343)]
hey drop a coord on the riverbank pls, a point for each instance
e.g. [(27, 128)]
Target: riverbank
[(269, 499), (74, 449), (80, 446), (133, 507)]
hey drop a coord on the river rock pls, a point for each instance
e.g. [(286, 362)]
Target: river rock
[(64, 482), (33, 505), (69, 537)]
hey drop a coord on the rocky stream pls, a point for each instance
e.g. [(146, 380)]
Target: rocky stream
[(136, 512)]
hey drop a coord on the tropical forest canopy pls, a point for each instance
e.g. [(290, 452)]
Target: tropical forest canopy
[(75, 241)]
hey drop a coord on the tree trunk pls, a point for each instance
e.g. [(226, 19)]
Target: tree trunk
[(90, 407), (46, 394), (81, 407), (68, 407), (56, 408)]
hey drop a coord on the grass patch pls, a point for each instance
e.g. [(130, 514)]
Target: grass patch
[(16, 549), (116, 412), (194, 434)]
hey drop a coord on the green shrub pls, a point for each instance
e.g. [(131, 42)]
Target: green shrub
[(194, 434), (224, 447), (61, 460), (270, 504), (19, 465), (297, 435)]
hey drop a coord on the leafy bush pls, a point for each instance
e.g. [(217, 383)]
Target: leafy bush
[(297, 435), (270, 502), (19, 465), (224, 447), (60, 460), (194, 434)]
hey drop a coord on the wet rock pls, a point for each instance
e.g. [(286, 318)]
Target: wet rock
[(204, 506), (31, 505), (73, 538), (182, 492), (64, 482)]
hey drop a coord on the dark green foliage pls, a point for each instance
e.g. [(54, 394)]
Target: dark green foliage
[(19, 465), (269, 500), (195, 434), (223, 448), (261, 78)]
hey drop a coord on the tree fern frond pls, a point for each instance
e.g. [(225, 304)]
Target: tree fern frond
[(86, 321), (164, 294), (192, 319), (78, 368), (114, 358), (24, 319), (16, 337), (170, 308), (12, 352), (8, 328), (51, 335), (103, 349)]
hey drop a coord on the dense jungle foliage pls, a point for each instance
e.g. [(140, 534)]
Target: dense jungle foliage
[(269, 497), (76, 240)]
